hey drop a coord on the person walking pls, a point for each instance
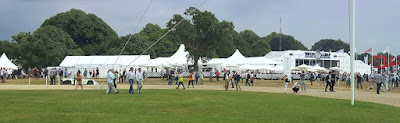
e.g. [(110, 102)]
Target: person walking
[(328, 81), (196, 77), (247, 78), (97, 72), (53, 73), (139, 80), (85, 72), (180, 79), (359, 79), (303, 82), (190, 79), (115, 78), (396, 83), (131, 79), (211, 75), (237, 80), (226, 80), (79, 80), (217, 75), (176, 78), (333, 81), (110, 81), (285, 82), (348, 81), (311, 77), (378, 80), (201, 78), (251, 79), (231, 78)]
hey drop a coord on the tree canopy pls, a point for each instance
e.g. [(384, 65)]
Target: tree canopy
[(287, 42), (331, 44), (47, 46), (76, 32), (88, 31)]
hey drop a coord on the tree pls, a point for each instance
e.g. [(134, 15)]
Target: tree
[(241, 44), (88, 31), (225, 46), (287, 42), (165, 47), (331, 45), (201, 34), (47, 46), (260, 47), (249, 36), (9, 48)]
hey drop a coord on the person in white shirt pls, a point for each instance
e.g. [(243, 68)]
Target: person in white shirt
[(139, 80), (295, 87), (131, 79), (110, 82)]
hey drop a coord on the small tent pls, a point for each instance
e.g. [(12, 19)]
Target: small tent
[(6, 63)]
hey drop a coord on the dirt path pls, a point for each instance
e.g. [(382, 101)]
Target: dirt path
[(367, 96)]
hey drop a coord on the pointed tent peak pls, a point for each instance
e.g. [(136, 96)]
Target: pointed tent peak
[(181, 47), (237, 54), (3, 55)]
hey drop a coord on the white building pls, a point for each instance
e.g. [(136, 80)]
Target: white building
[(326, 59)]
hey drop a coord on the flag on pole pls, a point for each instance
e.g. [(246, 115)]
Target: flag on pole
[(369, 50), (386, 50)]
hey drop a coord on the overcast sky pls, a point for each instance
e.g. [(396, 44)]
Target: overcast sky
[(307, 20)]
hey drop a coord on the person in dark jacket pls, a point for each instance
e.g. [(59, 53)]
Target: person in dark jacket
[(236, 77)]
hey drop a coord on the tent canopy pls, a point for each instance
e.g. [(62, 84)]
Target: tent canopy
[(6, 63)]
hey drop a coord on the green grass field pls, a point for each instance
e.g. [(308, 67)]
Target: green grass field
[(183, 106)]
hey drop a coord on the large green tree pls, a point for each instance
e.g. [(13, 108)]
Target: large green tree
[(47, 46), (249, 36), (241, 44), (201, 34), (10, 48), (286, 42), (260, 47), (88, 31), (331, 44)]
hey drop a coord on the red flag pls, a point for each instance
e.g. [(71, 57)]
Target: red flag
[(369, 50)]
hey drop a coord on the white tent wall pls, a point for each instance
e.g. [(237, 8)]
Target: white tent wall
[(75, 63)]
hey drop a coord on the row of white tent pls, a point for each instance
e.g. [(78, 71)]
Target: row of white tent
[(179, 60), (6, 63)]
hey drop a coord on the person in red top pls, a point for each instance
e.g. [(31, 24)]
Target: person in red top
[(191, 79), (217, 74)]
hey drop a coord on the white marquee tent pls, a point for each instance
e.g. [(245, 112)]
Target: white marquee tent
[(6, 63)]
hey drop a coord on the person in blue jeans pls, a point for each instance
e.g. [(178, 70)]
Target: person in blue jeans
[(131, 78)]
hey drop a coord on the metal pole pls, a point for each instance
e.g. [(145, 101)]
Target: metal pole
[(352, 7), (388, 66), (280, 35)]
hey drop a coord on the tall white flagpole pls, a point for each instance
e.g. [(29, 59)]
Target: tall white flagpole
[(352, 6)]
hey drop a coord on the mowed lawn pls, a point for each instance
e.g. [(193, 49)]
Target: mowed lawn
[(183, 106)]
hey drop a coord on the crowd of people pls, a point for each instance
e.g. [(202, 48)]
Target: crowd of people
[(385, 81), (197, 77)]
